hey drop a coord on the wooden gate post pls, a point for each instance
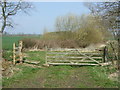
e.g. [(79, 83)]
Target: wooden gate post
[(46, 55), (20, 51), (104, 54), (14, 54)]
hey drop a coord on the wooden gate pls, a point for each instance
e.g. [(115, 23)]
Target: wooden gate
[(73, 57)]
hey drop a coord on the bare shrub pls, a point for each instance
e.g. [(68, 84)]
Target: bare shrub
[(29, 43), (68, 44)]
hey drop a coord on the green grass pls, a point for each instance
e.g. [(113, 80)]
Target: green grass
[(7, 41), (7, 55), (100, 76), (59, 76), (36, 56), (25, 73), (56, 76)]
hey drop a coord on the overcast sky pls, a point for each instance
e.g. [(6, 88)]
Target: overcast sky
[(44, 15)]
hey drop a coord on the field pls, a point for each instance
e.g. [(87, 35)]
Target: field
[(25, 76), (7, 41)]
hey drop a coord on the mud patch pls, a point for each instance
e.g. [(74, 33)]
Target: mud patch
[(114, 76)]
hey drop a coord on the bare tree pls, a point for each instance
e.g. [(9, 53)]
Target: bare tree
[(91, 31), (10, 9), (109, 11), (67, 23)]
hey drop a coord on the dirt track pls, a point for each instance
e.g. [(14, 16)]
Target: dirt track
[(59, 77)]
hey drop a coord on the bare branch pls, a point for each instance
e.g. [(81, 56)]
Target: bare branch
[(9, 9)]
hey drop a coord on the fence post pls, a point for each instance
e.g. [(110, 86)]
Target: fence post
[(20, 51), (14, 53), (46, 55), (104, 54)]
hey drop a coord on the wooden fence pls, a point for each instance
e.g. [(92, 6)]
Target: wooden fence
[(74, 57), (17, 52)]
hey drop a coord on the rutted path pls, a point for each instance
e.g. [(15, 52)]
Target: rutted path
[(58, 77)]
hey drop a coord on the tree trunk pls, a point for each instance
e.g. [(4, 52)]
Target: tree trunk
[(3, 28), (113, 48)]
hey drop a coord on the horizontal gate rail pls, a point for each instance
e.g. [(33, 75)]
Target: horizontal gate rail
[(71, 57), (71, 60), (73, 53), (71, 64)]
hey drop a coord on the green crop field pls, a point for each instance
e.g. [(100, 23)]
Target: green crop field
[(7, 41)]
